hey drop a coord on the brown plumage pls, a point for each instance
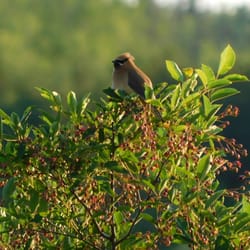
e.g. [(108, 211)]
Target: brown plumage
[(129, 77)]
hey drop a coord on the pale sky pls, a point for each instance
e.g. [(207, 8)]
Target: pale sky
[(216, 5)]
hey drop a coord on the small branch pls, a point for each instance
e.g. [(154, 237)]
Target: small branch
[(133, 224), (106, 236)]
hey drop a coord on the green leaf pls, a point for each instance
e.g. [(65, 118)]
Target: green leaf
[(242, 222), (214, 130), (34, 199), (129, 159), (191, 98), (207, 105), (209, 109), (54, 128), (245, 205), (161, 132), (222, 243), (45, 93), (213, 198), (208, 72), (57, 97), (43, 207), (15, 119), (115, 94), (203, 167), (175, 97), (185, 236), (185, 90), (235, 77), (202, 76), (147, 217), (68, 243), (118, 217), (223, 93), (114, 166), (149, 185), (46, 118), (149, 93), (26, 114), (218, 83), (188, 72), (4, 115), (72, 102), (227, 60), (174, 70), (135, 242), (83, 104), (8, 189)]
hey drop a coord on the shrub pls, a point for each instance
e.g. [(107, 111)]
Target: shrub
[(121, 177)]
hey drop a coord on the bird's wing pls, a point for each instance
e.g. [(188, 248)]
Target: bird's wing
[(136, 82)]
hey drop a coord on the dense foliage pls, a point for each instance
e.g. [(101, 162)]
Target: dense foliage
[(121, 177)]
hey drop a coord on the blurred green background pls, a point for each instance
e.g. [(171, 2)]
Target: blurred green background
[(69, 45)]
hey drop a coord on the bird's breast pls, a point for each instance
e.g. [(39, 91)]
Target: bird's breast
[(120, 81)]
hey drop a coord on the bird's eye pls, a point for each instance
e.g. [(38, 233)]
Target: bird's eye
[(119, 62)]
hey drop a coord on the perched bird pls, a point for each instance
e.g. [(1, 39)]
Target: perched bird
[(128, 77)]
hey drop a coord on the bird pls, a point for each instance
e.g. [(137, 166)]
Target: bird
[(128, 76)]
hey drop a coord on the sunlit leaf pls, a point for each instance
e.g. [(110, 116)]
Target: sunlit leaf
[(188, 72), (223, 93), (174, 70), (203, 167), (213, 198), (4, 115), (218, 83), (148, 184), (57, 97), (213, 130), (208, 72), (236, 77), (209, 108), (149, 93), (175, 97), (148, 217), (227, 60), (118, 217), (114, 94), (72, 102), (191, 98), (45, 93), (83, 104), (206, 104), (202, 76), (245, 205), (242, 222)]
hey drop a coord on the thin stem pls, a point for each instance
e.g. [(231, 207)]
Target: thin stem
[(113, 240), (104, 235)]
